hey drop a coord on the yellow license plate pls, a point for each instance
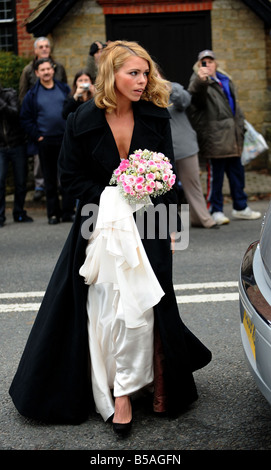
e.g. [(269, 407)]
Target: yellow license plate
[(250, 330)]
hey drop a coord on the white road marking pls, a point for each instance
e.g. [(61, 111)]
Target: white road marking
[(190, 299), (21, 295), (206, 285), (181, 299), (19, 308)]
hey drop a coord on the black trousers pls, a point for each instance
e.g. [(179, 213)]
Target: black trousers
[(49, 149), (17, 156)]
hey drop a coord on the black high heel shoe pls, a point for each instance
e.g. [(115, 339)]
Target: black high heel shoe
[(122, 430)]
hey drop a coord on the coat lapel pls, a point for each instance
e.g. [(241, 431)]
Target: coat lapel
[(105, 151)]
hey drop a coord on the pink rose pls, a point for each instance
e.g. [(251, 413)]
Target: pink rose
[(127, 189), (141, 168), (172, 180), (139, 187), (130, 179), (139, 179)]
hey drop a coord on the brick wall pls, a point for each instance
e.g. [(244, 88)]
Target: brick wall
[(25, 41)]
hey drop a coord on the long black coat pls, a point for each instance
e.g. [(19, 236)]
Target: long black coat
[(52, 382)]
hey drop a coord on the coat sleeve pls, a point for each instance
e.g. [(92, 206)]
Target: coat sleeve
[(23, 84), (28, 118), (73, 173), (70, 105), (180, 97), (9, 105), (198, 89)]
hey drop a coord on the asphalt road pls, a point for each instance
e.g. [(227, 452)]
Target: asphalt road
[(230, 414)]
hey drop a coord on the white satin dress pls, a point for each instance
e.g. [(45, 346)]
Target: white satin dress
[(123, 290)]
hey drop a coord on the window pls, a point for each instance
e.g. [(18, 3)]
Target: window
[(8, 36)]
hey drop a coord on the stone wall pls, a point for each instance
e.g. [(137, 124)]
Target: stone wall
[(238, 36), (71, 39), (241, 43), (243, 49)]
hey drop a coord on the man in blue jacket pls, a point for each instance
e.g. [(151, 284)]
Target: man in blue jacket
[(41, 118)]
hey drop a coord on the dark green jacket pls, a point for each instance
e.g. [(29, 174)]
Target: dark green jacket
[(220, 133)]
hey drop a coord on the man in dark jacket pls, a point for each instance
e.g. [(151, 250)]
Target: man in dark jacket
[(219, 123), (12, 149), (41, 118), (42, 49)]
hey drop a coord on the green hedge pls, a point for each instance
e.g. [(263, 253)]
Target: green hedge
[(11, 67)]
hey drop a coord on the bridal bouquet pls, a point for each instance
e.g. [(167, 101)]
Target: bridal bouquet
[(143, 174)]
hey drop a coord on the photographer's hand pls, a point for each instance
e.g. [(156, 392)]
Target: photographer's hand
[(79, 92), (203, 73)]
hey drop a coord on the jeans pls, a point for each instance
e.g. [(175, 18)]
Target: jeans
[(49, 149), (18, 158), (216, 168)]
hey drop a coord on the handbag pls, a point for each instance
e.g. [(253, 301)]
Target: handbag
[(254, 144)]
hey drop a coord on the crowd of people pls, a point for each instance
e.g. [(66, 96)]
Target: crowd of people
[(206, 119), (33, 122)]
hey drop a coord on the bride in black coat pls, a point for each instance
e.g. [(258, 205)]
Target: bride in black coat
[(54, 379)]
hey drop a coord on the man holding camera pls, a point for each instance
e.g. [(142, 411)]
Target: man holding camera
[(41, 118), (219, 122)]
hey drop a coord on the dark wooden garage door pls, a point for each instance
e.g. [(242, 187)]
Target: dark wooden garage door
[(172, 39)]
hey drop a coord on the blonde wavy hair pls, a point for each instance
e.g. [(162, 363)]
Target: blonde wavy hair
[(111, 60)]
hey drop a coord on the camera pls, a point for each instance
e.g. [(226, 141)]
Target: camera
[(94, 48), (203, 63), (85, 86)]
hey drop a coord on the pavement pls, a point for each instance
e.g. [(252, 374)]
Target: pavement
[(257, 186)]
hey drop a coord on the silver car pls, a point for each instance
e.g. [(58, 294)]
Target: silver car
[(255, 307)]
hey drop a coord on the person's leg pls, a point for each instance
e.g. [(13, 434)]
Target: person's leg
[(133, 352), (48, 158), (121, 357), (19, 163), (4, 158), (68, 206), (215, 177), (188, 173), (236, 176), (38, 178)]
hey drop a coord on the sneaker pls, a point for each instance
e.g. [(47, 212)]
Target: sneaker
[(53, 220), (220, 218), (246, 213), (23, 218), (38, 195)]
